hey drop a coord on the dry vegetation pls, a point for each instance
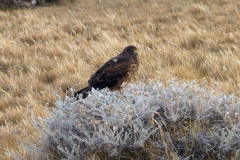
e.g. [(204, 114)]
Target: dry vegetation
[(56, 48)]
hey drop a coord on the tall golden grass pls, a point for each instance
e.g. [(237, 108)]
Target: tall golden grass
[(55, 48)]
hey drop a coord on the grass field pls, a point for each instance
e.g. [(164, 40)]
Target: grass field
[(55, 48)]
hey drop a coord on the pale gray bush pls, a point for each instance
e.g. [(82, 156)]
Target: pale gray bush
[(9, 4), (144, 121)]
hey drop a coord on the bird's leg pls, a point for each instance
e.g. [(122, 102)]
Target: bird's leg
[(121, 87), (121, 93)]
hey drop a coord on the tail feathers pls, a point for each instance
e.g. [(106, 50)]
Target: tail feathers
[(83, 92)]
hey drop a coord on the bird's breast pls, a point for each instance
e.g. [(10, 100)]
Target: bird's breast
[(133, 67)]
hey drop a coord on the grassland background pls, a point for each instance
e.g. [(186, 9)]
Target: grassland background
[(55, 48)]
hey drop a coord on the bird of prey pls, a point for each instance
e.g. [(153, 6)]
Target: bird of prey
[(113, 73)]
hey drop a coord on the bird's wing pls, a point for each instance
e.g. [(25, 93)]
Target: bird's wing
[(113, 70)]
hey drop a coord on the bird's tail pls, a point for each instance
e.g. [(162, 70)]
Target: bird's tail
[(83, 91)]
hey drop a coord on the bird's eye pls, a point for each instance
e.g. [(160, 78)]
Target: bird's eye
[(131, 51)]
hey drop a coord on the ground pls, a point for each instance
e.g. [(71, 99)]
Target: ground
[(48, 50)]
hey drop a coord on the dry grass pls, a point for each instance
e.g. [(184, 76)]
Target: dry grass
[(56, 48)]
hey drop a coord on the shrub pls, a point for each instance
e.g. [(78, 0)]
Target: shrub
[(6, 4), (145, 121), (9, 4)]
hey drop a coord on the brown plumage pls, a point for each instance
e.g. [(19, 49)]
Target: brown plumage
[(114, 72)]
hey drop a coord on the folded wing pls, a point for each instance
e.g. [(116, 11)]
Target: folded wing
[(111, 73)]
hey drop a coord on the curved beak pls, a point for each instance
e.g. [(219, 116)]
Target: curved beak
[(135, 52)]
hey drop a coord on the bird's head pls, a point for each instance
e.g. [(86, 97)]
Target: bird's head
[(131, 50)]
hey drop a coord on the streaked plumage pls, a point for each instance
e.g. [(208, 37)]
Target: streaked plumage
[(114, 72)]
